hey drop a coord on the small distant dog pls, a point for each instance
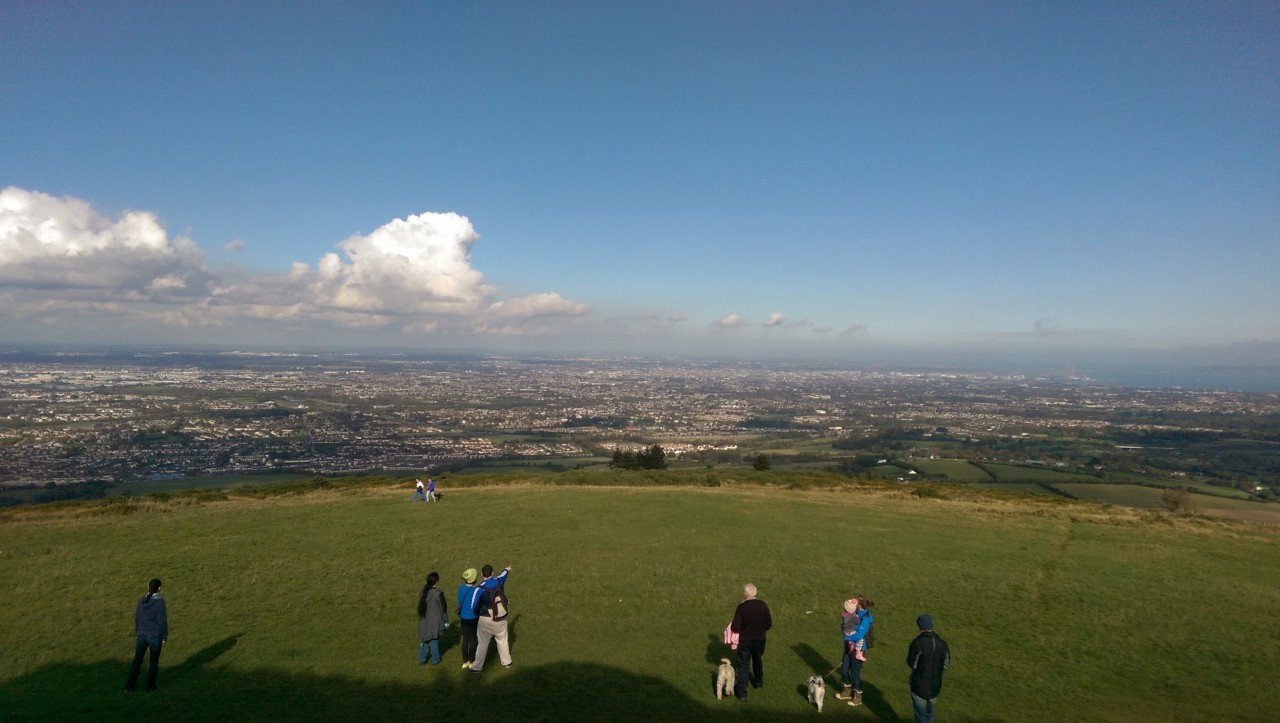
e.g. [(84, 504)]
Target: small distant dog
[(817, 691), (439, 496), (725, 679)]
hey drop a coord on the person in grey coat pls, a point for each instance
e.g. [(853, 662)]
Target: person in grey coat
[(433, 618), (151, 632)]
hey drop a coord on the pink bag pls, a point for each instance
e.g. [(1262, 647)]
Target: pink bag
[(730, 637)]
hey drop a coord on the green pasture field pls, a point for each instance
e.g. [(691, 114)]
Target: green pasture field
[(301, 607), (819, 466), (792, 446), (25, 494), (1118, 494), (528, 465), (1017, 473), (1214, 490), (889, 471), (956, 470), (147, 487), (1149, 498), (182, 484), (1202, 487), (1012, 487)]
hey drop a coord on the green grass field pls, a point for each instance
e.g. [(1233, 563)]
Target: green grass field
[(1201, 487), (1019, 473), (147, 487), (300, 607), (1149, 498), (1117, 494), (956, 470), (1027, 487)]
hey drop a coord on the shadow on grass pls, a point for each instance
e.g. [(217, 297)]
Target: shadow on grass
[(813, 660), (716, 649), (873, 699), (202, 658), (199, 689)]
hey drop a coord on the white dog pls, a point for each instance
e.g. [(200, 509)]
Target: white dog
[(725, 679), (817, 691)]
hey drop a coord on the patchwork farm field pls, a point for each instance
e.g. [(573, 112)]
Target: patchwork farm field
[(301, 607), (1018, 473), (956, 470), (1027, 487), (1149, 498)]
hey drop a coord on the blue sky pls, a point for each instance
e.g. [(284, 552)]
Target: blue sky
[(1064, 183)]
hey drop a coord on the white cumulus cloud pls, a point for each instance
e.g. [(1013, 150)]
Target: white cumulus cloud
[(411, 275), (775, 319), (55, 243), (533, 305), (729, 321)]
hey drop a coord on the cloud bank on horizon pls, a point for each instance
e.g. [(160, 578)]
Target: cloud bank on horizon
[(67, 268), (64, 264)]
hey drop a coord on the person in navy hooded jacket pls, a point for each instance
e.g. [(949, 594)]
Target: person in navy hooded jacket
[(151, 632)]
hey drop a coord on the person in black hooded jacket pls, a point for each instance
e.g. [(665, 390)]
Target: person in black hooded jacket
[(927, 656), (151, 632)]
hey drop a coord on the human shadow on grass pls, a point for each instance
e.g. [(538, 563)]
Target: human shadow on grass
[(195, 690), (716, 649), (201, 658)]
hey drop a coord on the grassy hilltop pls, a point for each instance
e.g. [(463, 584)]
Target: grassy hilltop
[(301, 606)]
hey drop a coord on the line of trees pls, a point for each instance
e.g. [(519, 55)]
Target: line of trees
[(652, 458)]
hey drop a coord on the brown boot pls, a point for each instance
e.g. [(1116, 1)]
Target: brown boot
[(845, 694), (857, 698)]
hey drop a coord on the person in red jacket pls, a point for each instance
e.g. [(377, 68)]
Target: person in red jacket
[(750, 621)]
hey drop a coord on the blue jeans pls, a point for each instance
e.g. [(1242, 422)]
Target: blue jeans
[(429, 646), (140, 649), (419, 495), (924, 708), (850, 669)]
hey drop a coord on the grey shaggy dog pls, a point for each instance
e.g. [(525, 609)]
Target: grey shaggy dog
[(817, 691), (725, 679)]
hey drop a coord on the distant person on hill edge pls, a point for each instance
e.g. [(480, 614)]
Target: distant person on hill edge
[(490, 598), (751, 620), (467, 615), (419, 492), (431, 489), (855, 629), (151, 632), (927, 656), (433, 618)]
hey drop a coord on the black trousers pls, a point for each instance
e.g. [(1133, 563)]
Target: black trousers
[(469, 640), (750, 653)]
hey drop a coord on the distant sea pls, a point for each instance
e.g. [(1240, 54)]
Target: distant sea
[(1236, 379), (1263, 377)]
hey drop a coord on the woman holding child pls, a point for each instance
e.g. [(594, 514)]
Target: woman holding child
[(855, 627)]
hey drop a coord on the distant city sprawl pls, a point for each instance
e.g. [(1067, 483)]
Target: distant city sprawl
[(84, 425)]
